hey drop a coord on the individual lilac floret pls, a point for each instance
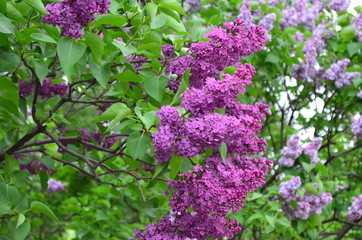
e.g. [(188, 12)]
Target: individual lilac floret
[(357, 127), (337, 73), (47, 90), (355, 210), (55, 186), (287, 189), (290, 152), (311, 150), (339, 5), (72, 15)]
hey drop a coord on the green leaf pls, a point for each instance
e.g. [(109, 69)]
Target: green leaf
[(283, 221), (175, 165), (38, 6), (223, 151), (155, 86), (308, 166), (14, 13), (173, 5), (11, 164), (175, 25), (115, 111), (158, 21), (5, 25), (271, 220), (44, 209), (272, 57), (113, 20), (22, 231), (41, 37), (148, 118), (322, 169), (41, 70), (310, 189), (151, 9), (44, 177), (69, 52), (137, 144), (100, 73), (353, 48), (9, 91), (127, 76), (347, 33), (97, 47), (126, 50), (21, 219)]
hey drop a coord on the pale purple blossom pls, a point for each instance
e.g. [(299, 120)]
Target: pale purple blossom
[(55, 186), (290, 152), (311, 150), (355, 210), (339, 5), (357, 127)]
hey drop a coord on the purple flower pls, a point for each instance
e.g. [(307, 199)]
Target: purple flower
[(55, 186), (337, 73), (290, 152), (339, 5), (357, 127), (25, 89), (355, 210), (47, 90), (311, 150), (72, 16)]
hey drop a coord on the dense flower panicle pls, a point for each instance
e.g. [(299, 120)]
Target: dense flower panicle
[(245, 15), (358, 25), (225, 48), (305, 205), (301, 14), (339, 5), (55, 186), (25, 89), (287, 189), (355, 210), (211, 192), (204, 197), (311, 150), (337, 73), (357, 127), (194, 5), (267, 22), (47, 90), (34, 166), (290, 152), (72, 16)]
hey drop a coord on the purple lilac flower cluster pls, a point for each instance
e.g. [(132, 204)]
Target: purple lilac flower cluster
[(194, 5), (339, 5), (25, 89), (48, 90), (55, 186), (337, 73), (72, 15), (358, 25), (305, 205), (203, 197), (357, 127), (311, 150), (290, 152), (34, 166), (267, 21), (355, 210), (301, 14), (225, 47)]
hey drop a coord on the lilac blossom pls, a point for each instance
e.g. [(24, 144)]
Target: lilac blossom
[(307, 204), (55, 186), (357, 127), (337, 73), (73, 16), (299, 37), (339, 5), (359, 95), (290, 152), (48, 90), (25, 89), (355, 210), (311, 150), (194, 5), (34, 166), (358, 26)]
